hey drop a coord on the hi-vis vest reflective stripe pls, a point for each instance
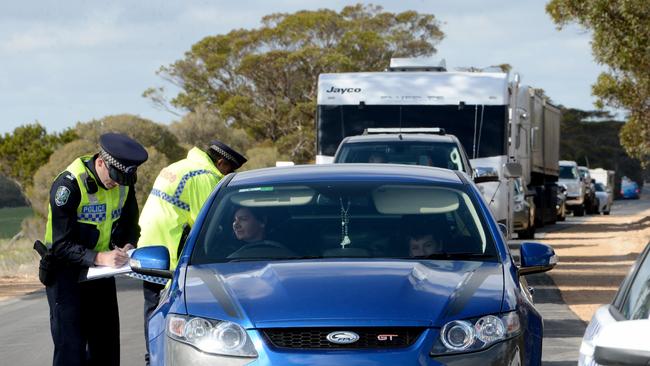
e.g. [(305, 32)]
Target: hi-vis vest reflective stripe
[(176, 198), (100, 209), (170, 205)]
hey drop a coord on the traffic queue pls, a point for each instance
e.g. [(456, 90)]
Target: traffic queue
[(396, 253)]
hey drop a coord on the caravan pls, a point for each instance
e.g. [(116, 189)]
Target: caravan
[(497, 120)]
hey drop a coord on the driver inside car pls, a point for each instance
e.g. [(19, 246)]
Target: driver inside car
[(249, 226)]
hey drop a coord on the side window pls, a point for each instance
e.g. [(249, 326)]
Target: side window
[(637, 302)]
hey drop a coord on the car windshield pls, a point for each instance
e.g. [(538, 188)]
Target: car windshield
[(363, 220), (568, 172), (439, 154)]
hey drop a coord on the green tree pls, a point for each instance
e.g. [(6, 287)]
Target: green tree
[(26, 149), (199, 127), (10, 194), (161, 144), (591, 139), (264, 80), (621, 41), (146, 132)]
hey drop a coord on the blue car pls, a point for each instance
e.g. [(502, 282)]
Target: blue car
[(630, 189), (350, 264)]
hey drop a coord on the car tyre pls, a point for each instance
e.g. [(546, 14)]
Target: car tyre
[(529, 233), (562, 215), (579, 211)]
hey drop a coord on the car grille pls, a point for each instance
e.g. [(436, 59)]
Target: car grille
[(316, 338)]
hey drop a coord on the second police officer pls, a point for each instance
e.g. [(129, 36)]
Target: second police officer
[(179, 192)]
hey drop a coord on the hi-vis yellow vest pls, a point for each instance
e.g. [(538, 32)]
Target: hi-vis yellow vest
[(100, 209), (179, 192)]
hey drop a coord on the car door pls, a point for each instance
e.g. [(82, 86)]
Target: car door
[(633, 298)]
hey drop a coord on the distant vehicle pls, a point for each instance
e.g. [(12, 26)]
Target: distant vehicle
[(632, 302), (346, 264), (575, 188), (412, 146), (591, 204), (605, 198), (629, 189), (561, 204), (524, 219)]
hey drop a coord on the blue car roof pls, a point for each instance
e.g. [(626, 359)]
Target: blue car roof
[(346, 173)]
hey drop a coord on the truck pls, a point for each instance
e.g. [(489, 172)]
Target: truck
[(498, 120)]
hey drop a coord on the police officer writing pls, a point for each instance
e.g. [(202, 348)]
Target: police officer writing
[(179, 192), (92, 220)]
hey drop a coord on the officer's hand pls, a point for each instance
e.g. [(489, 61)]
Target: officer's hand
[(114, 258), (128, 247)]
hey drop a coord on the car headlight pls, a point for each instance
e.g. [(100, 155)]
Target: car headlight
[(211, 336), (460, 336)]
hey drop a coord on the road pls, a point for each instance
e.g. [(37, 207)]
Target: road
[(25, 336)]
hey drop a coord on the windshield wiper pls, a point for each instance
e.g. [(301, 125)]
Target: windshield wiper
[(454, 255)]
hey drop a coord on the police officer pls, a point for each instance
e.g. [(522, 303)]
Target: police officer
[(179, 192), (92, 220)]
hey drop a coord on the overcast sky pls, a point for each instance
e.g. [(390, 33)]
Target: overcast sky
[(62, 62)]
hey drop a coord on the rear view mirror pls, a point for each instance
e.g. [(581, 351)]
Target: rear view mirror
[(485, 174), (623, 343), (512, 170), (151, 261), (536, 258)]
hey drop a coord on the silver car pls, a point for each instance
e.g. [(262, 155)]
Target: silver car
[(605, 198), (632, 302)]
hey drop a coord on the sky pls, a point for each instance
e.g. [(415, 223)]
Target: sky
[(63, 62)]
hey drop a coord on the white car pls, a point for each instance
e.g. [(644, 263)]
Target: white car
[(631, 303), (605, 198)]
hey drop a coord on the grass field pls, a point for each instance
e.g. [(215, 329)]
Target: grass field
[(10, 219)]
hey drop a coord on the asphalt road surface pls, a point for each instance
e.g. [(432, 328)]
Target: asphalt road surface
[(25, 334)]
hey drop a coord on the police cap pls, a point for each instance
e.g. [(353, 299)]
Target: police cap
[(123, 155), (228, 153)]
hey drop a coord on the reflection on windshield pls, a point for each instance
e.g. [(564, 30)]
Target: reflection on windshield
[(481, 129), (343, 221), (568, 172)]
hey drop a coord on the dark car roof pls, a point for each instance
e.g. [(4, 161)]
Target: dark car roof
[(382, 137), (346, 173)]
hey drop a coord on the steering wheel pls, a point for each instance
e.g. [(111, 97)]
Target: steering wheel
[(260, 245)]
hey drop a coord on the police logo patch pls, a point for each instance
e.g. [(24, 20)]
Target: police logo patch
[(61, 196)]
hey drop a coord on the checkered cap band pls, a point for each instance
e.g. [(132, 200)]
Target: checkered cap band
[(111, 160), (223, 153)]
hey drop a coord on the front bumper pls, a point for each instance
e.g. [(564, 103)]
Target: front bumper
[(574, 201), (508, 352)]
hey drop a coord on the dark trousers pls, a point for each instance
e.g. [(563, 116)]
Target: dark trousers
[(84, 320), (151, 293)]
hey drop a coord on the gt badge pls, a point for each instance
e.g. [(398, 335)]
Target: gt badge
[(386, 337), (61, 196)]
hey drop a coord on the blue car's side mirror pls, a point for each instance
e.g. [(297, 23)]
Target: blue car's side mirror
[(536, 258), (151, 261)]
